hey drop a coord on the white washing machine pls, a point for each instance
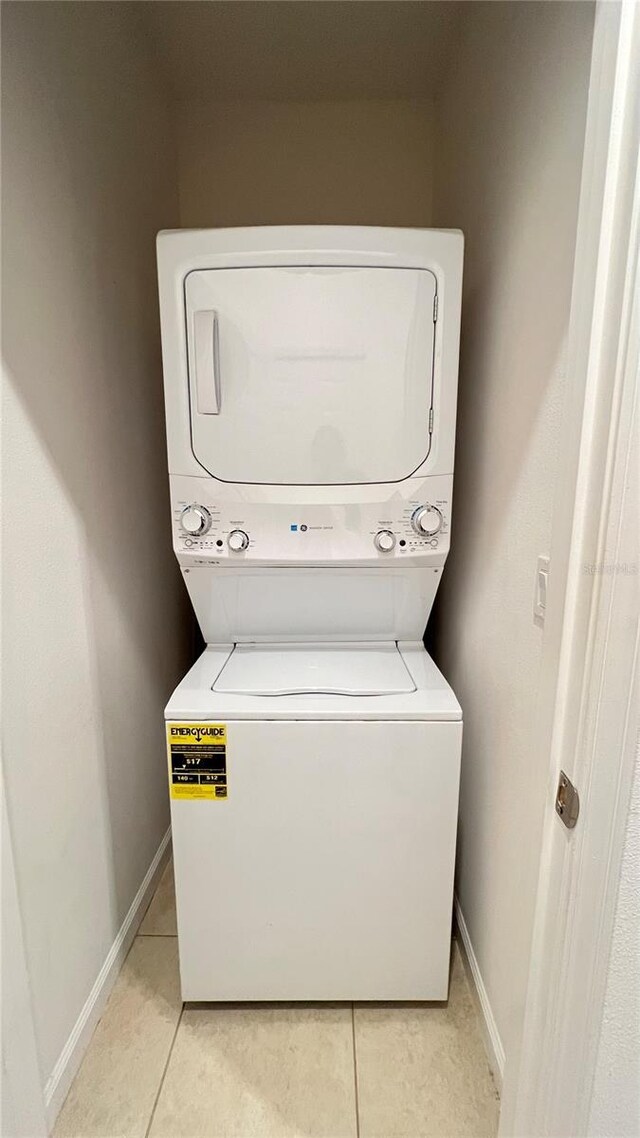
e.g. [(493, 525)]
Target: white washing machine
[(314, 748)]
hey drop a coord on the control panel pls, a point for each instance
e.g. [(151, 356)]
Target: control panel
[(207, 531)]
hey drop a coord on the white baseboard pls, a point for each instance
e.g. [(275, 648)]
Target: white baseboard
[(491, 1035), (61, 1078)]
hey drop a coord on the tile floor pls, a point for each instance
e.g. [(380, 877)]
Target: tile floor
[(156, 1069)]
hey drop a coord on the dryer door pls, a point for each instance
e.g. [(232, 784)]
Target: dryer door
[(310, 375)]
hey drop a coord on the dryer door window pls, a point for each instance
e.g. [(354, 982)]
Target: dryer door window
[(310, 375)]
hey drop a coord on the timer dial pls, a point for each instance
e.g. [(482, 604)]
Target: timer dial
[(195, 520), (426, 520), (384, 540), (237, 540)]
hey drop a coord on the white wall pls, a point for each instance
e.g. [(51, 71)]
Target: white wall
[(615, 1105), (95, 621), (615, 1102), (367, 162), (510, 128)]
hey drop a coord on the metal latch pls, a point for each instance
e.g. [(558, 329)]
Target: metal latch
[(567, 801)]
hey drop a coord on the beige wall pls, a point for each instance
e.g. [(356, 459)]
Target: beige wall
[(94, 612), (343, 163), (510, 135), (94, 615)]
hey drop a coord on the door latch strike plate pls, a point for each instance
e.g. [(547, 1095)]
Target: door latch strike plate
[(567, 801)]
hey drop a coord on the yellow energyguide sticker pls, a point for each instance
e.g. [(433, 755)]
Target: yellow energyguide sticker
[(197, 754)]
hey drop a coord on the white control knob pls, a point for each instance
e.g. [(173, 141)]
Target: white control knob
[(195, 520), (426, 521), (237, 540), (384, 540)]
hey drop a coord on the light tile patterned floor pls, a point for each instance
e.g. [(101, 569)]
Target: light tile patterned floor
[(156, 1070)]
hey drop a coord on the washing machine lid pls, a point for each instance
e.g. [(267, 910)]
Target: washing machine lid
[(310, 374), (298, 669)]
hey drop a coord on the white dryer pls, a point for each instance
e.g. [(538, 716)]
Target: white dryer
[(314, 749)]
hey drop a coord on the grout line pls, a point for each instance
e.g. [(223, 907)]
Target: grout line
[(355, 1068), (162, 1077)]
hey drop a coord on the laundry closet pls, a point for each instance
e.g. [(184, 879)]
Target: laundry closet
[(124, 119)]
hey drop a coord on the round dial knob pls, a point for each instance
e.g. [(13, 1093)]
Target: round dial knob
[(237, 540), (384, 540), (195, 520), (426, 521)]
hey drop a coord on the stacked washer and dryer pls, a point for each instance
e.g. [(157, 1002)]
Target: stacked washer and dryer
[(314, 747)]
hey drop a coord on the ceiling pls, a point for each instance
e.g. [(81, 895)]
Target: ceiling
[(299, 49)]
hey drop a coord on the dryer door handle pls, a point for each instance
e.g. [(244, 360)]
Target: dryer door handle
[(207, 361)]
